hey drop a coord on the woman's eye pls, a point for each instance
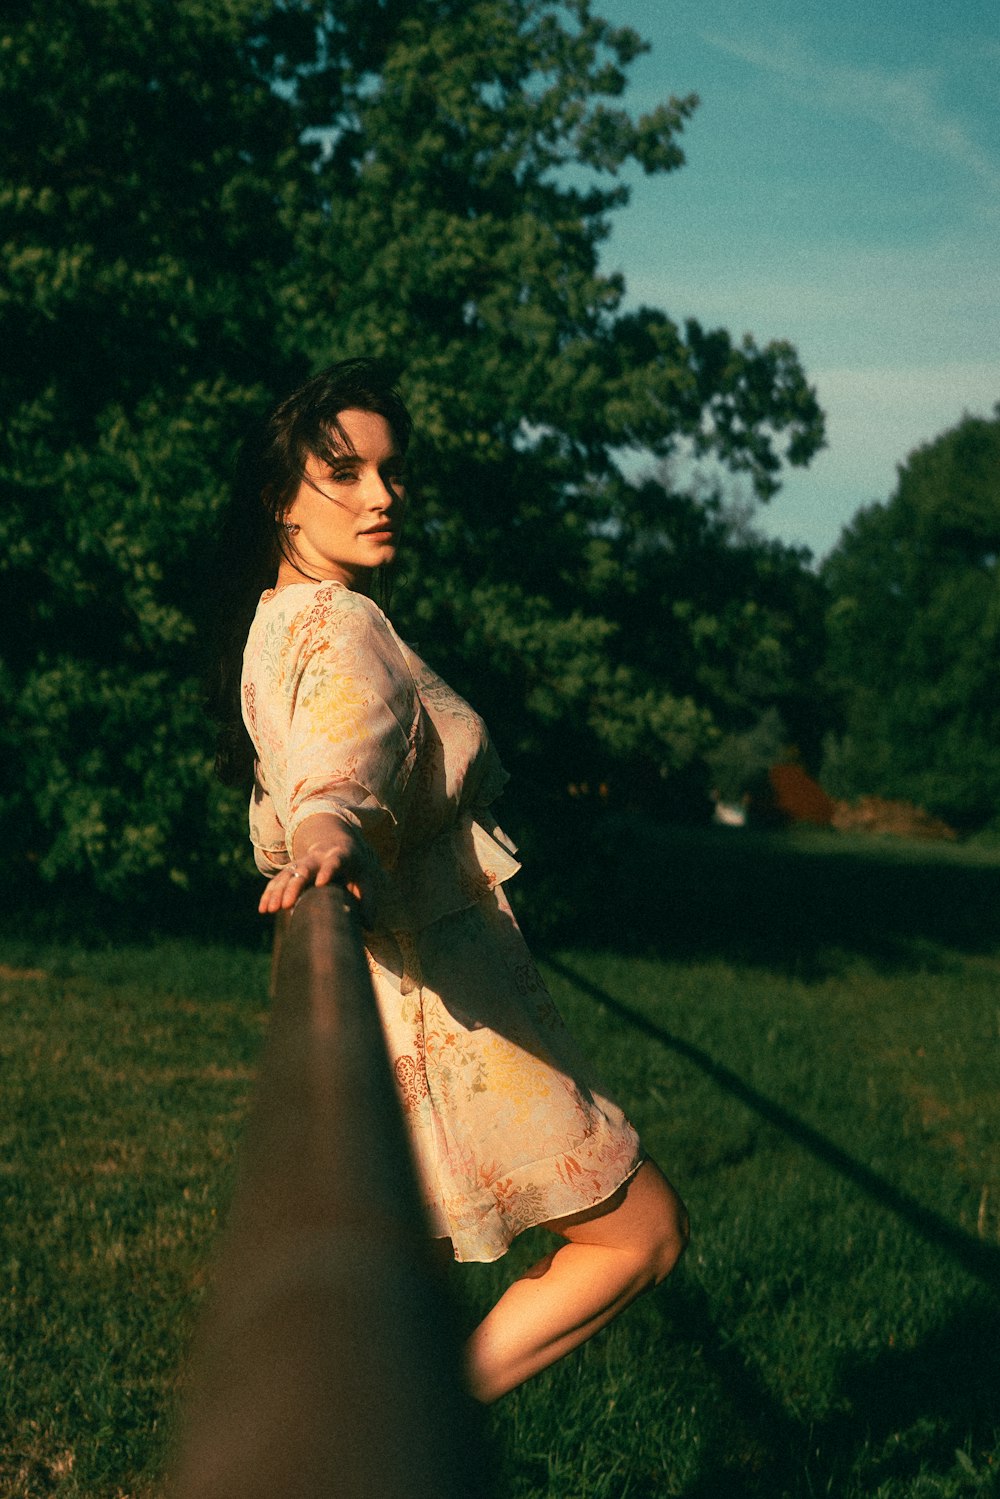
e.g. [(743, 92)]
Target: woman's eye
[(343, 475)]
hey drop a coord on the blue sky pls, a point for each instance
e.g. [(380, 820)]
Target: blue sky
[(842, 190)]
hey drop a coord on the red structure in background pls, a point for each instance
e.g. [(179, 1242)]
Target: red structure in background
[(796, 797), (792, 796)]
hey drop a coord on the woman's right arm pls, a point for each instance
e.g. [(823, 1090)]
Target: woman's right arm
[(349, 752)]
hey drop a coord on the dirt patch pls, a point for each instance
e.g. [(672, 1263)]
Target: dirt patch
[(878, 814)]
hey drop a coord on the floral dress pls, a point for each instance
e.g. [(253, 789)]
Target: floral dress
[(508, 1126)]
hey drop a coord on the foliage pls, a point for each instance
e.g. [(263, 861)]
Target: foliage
[(732, 620), (740, 762), (914, 625), (203, 202)]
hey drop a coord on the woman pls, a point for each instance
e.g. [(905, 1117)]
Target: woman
[(369, 771)]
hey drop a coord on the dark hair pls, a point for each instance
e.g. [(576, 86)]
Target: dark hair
[(269, 470)]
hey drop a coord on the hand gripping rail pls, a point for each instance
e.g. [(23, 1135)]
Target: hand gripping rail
[(326, 1363)]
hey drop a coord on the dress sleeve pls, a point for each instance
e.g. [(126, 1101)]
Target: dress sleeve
[(266, 833), (354, 721)]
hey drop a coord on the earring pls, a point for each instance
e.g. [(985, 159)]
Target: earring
[(290, 527)]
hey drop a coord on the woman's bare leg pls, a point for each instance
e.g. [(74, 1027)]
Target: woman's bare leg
[(612, 1254)]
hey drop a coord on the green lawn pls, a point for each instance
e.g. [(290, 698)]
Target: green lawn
[(805, 1031)]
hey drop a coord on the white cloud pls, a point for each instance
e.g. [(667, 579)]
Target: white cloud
[(876, 416), (843, 304), (904, 104)]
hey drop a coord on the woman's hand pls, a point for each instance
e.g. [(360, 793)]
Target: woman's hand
[(327, 852)]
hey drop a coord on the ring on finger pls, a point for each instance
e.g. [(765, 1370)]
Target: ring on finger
[(298, 874)]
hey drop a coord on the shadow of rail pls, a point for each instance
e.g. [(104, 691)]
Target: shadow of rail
[(979, 1259), (327, 1361)]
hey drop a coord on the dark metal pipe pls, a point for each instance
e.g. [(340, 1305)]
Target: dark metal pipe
[(327, 1362)]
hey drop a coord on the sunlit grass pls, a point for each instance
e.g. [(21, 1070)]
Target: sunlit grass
[(831, 1122), (125, 1083)]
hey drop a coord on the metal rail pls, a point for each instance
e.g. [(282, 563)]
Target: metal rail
[(327, 1362)]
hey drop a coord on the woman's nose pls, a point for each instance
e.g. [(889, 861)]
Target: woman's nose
[(380, 494)]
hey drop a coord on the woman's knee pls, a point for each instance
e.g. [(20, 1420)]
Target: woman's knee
[(646, 1221), (663, 1221), (668, 1240)]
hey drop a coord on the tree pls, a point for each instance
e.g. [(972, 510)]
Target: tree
[(203, 202), (153, 180), (914, 628)]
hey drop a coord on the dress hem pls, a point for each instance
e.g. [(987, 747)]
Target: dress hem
[(521, 1228)]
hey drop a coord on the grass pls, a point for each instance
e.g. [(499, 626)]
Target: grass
[(805, 1031)]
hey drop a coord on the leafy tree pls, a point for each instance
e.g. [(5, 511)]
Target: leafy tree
[(153, 181), (203, 202), (914, 627), (731, 621)]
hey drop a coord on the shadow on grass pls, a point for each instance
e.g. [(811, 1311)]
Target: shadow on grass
[(893, 1417), (792, 903), (978, 1259), (901, 1414), (68, 911)]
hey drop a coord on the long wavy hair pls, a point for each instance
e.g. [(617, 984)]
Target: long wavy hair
[(269, 471)]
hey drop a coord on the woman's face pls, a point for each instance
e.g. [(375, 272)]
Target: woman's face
[(349, 512)]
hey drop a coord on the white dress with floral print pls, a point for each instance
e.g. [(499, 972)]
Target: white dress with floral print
[(507, 1124)]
